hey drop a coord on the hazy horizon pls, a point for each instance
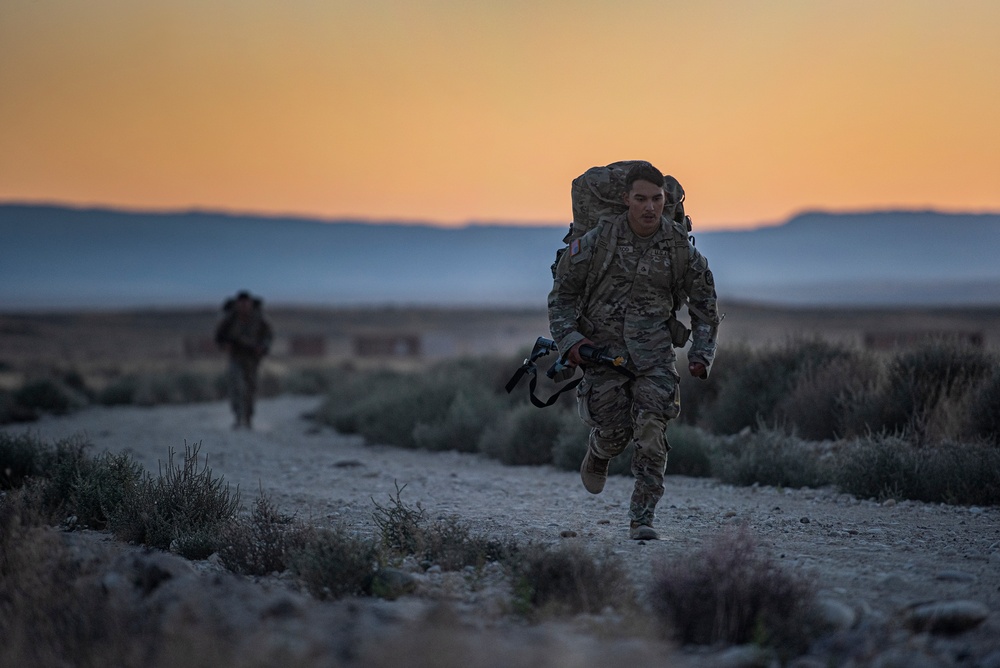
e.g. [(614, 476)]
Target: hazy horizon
[(58, 256), (239, 213)]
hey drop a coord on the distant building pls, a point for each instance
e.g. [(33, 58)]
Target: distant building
[(894, 340), (387, 345), (306, 346)]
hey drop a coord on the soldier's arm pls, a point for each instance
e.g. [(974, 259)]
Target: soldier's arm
[(700, 288), (222, 333), (267, 336), (567, 292)]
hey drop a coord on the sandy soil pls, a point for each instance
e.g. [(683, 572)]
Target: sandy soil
[(876, 558)]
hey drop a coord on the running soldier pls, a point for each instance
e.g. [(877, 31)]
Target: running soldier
[(615, 288), (246, 336)]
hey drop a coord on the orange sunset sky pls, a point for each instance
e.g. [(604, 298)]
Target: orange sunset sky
[(451, 111)]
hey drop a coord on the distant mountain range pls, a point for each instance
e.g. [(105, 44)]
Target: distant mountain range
[(64, 258)]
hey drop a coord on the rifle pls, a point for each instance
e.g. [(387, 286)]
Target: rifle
[(543, 347)]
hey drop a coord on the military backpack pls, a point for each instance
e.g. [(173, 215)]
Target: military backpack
[(599, 193)]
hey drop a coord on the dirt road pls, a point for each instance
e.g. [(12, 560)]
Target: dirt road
[(878, 559)]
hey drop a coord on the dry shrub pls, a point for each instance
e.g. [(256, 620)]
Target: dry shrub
[(50, 395), (444, 407), (770, 457), (263, 542), (731, 592), (387, 407), (525, 435), (570, 445), (12, 411), (821, 397), (984, 418), (71, 486), (689, 451), (919, 382), (21, 457), (182, 509), (99, 488), (567, 580), (884, 467), (463, 422), (334, 563), (169, 387), (447, 543), (759, 380)]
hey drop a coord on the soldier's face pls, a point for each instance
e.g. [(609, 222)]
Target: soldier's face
[(645, 206)]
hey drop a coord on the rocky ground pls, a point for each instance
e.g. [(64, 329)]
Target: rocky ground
[(881, 568)]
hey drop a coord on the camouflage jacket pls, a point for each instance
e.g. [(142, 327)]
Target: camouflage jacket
[(248, 338), (619, 291)]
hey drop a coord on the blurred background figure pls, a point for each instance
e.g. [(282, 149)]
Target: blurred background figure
[(246, 335)]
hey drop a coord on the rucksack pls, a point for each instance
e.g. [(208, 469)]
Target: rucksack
[(600, 193)]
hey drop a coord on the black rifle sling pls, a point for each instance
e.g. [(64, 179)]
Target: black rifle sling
[(551, 400), (532, 370)]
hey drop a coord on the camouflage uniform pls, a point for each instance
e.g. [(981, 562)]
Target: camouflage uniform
[(618, 290), (247, 336)]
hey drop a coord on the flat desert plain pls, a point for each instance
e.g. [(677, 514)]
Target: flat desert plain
[(873, 564)]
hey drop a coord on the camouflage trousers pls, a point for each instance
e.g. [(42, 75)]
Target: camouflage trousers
[(242, 377), (620, 412)]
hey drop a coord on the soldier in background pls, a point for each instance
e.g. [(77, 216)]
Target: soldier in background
[(615, 288), (246, 335)]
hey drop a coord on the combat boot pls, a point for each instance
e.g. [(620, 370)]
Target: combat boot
[(638, 531), (594, 472)]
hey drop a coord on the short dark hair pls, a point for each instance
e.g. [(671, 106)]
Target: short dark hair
[(643, 171)]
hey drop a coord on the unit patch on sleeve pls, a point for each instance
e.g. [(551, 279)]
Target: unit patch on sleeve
[(574, 247)]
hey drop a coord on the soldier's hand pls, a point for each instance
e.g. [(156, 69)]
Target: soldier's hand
[(574, 358), (698, 370)]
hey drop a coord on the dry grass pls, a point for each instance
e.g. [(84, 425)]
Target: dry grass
[(732, 592), (182, 509)]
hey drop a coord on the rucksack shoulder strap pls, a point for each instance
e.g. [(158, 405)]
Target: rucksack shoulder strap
[(680, 254), (605, 244)]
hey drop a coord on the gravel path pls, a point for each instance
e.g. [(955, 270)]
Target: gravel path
[(876, 558)]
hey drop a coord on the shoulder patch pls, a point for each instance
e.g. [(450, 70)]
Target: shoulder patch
[(574, 247)]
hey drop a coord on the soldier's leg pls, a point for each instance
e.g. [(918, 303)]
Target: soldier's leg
[(657, 401), (235, 383), (604, 402), (604, 407), (250, 383)]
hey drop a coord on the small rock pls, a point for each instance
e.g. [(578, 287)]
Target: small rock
[(804, 520), (567, 533), (946, 616), (889, 503), (742, 656), (604, 521), (283, 607), (391, 583), (836, 615), (955, 576)]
